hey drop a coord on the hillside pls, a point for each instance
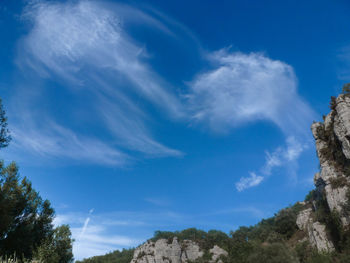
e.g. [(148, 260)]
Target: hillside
[(315, 230)]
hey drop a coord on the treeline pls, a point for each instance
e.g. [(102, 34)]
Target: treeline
[(26, 220), (123, 256)]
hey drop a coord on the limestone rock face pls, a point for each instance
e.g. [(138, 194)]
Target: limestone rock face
[(216, 253), (304, 218), (163, 251), (316, 231), (342, 123), (333, 149)]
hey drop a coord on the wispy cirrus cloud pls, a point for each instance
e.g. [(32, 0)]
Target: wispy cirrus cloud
[(248, 182), (84, 46), (56, 141), (243, 88), (69, 38), (286, 155)]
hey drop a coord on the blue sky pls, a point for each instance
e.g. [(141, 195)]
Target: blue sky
[(136, 116)]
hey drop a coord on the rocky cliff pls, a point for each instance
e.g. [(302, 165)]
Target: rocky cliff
[(174, 251), (332, 139)]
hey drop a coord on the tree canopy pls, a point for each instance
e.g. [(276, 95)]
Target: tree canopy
[(26, 219)]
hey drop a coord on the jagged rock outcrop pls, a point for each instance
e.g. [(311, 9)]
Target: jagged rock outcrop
[(316, 231), (174, 251), (332, 183), (333, 149)]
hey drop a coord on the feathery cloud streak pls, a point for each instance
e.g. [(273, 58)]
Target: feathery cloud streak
[(84, 46)]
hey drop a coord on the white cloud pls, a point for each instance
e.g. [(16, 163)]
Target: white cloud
[(287, 155), (294, 149), (248, 87), (283, 155), (272, 160), (248, 182)]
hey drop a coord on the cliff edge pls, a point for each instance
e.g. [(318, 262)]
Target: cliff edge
[(332, 139)]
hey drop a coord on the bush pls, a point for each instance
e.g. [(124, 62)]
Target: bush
[(285, 222), (320, 258), (272, 253), (310, 196)]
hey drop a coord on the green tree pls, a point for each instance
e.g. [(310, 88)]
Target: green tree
[(57, 248), (26, 219), (5, 137)]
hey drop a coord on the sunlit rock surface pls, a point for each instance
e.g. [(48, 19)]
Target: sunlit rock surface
[(174, 251)]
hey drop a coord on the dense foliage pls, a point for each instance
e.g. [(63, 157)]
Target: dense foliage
[(117, 256), (26, 219)]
